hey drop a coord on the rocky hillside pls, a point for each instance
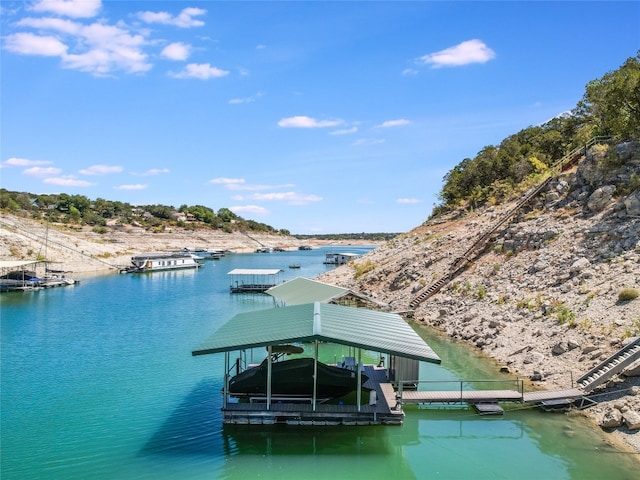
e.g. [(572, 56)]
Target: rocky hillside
[(552, 292)]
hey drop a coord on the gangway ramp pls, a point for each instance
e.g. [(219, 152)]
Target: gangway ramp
[(612, 366), (487, 401)]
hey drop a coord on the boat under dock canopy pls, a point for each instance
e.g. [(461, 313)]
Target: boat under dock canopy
[(383, 332)]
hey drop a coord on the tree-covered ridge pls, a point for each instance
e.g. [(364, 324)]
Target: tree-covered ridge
[(609, 107), (80, 210), (373, 237)]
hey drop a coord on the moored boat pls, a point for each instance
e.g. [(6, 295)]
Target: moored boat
[(295, 378), (204, 253), (158, 261)]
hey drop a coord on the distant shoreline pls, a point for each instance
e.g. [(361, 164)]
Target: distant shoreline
[(81, 250)]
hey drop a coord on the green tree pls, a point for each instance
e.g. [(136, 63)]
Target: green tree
[(227, 215), (612, 103)]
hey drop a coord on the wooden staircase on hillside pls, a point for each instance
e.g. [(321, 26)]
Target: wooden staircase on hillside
[(612, 366), (478, 245)]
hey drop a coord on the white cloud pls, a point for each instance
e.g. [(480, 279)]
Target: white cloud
[(69, 8), (471, 51), (176, 51), (109, 48), (345, 131), (253, 98), (24, 162), (227, 181), (30, 44), (49, 23), (99, 49), (183, 20), (67, 181), (367, 141), (237, 184), (408, 200), (292, 198), (101, 170), (152, 172), (136, 186), (394, 123), (302, 121), (249, 209), (41, 171), (201, 71), (409, 71)]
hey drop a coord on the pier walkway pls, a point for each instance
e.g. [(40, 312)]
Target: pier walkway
[(488, 396)]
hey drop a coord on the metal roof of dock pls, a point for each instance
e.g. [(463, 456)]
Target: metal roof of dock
[(303, 290), (17, 263), (358, 327), (255, 271)]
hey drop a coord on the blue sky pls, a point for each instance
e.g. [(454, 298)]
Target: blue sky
[(316, 117)]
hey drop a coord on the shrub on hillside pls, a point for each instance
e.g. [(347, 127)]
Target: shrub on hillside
[(628, 294)]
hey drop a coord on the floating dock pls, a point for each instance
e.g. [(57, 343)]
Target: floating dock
[(387, 407), (384, 410)]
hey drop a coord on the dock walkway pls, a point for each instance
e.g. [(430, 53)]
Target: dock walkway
[(489, 396)]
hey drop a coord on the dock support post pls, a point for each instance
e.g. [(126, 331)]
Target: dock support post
[(359, 377), (225, 388), (269, 377), (315, 375)]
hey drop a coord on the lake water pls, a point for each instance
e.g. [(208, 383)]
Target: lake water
[(98, 382)]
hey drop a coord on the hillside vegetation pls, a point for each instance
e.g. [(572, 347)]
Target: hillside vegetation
[(103, 214), (610, 108)]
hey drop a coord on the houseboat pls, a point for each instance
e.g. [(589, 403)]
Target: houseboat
[(339, 258), (157, 261)]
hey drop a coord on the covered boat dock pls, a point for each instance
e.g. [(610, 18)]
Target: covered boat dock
[(253, 280), (313, 324), (21, 275)]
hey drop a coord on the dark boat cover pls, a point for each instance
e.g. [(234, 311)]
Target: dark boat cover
[(295, 378)]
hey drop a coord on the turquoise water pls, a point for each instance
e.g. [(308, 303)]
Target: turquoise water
[(98, 382)]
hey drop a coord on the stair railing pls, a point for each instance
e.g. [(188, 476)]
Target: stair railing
[(460, 262)]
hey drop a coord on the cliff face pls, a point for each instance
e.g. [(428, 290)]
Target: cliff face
[(543, 296)]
